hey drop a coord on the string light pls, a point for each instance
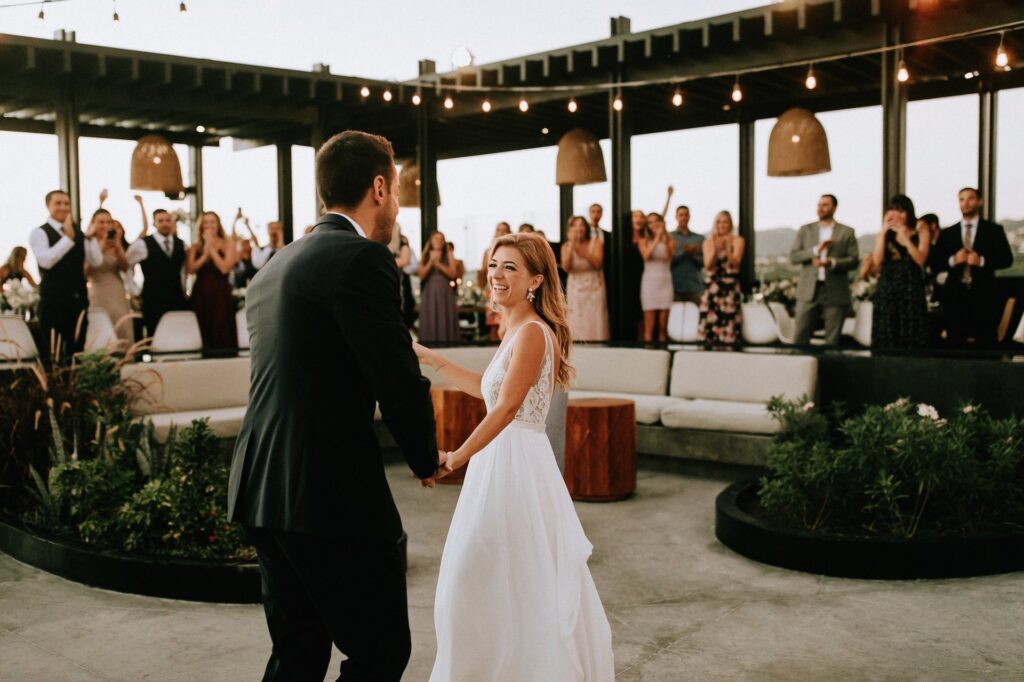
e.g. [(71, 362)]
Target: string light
[(1002, 59), (737, 92), (364, 91), (387, 95), (902, 74), (524, 106), (42, 14), (486, 106), (449, 103), (117, 18), (811, 81), (182, 9), (677, 98), (416, 99), (617, 103), (573, 106)]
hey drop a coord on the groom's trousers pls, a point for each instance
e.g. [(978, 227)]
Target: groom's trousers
[(318, 591)]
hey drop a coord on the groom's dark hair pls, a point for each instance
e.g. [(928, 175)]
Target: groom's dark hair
[(347, 164)]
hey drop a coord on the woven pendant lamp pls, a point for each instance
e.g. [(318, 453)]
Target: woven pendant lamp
[(409, 185), (155, 166), (798, 145), (580, 159)]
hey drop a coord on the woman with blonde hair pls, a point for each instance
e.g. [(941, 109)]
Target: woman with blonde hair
[(721, 314), (211, 259), (106, 280), (583, 259), (14, 268), (515, 598)]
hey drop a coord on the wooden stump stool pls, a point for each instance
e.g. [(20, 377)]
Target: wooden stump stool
[(456, 414), (600, 449)]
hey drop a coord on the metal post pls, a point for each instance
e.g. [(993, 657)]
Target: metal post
[(564, 209), (195, 180), (66, 127), (623, 305), (746, 213), (894, 120), (284, 190), (426, 157), (987, 151)]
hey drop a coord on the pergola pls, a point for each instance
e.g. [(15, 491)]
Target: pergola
[(855, 47)]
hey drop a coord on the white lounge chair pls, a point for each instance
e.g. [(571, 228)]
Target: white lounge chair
[(178, 332), (759, 326), (16, 342), (683, 321), (784, 322)]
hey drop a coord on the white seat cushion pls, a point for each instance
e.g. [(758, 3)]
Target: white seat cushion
[(177, 331), (743, 377), (226, 422), (648, 407), (190, 385), (16, 342), (621, 370), (683, 321), (719, 415)]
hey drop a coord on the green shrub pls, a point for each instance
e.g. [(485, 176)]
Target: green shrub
[(894, 470)]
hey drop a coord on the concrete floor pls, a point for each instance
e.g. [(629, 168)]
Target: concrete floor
[(681, 606)]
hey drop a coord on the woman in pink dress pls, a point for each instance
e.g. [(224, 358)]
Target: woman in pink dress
[(656, 293), (583, 259)]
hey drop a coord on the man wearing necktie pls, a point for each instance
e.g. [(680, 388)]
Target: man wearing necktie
[(162, 256), (971, 252)]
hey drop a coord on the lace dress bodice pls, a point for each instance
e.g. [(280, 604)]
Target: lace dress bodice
[(534, 409)]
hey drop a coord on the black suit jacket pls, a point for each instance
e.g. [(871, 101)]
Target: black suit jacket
[(989, 241), (327, 342)]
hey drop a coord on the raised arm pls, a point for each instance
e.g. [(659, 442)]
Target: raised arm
[(567, 254), (194, 259), (224, 262), (646, 247), (708, 247), (668, 198), (145, 218), (524, 365), (736, 248), (595, 252), (461, 378)]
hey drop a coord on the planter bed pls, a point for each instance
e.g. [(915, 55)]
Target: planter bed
[(849, 556), (204, 580)]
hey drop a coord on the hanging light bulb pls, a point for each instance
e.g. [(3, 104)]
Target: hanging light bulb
[(416, 99), (387, 95), (449, 103), (811, 81), (573, 106), (677, 98), (1002, 59), (117, 18), (486, 106), (524, 106), (737, 92), (364, 91), (617, 103), (902, 74), (42, 14), (182, 9)]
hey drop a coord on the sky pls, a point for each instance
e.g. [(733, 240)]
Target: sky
[(385, 40)]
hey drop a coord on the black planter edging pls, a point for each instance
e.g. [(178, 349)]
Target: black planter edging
[(859, 557), (203, 580)]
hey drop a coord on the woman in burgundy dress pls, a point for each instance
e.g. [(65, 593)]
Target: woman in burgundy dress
[(211, 259)]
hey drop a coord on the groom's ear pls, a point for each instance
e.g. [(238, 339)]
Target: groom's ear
[(380, 189)]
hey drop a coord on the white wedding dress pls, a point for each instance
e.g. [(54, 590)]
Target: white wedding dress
[(515, 599)]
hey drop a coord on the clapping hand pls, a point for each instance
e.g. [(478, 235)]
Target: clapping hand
[(69, 227), (973, 259)]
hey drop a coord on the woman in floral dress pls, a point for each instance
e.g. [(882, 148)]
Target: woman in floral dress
[(720, 305)]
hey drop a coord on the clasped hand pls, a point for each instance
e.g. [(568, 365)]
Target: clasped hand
[(444, 467)]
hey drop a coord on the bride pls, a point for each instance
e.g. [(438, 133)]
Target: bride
[(515, 599)]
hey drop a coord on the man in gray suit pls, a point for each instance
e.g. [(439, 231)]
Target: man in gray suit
[(827, 250)]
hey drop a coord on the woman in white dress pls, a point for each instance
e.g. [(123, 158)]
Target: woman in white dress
[(515, 598)]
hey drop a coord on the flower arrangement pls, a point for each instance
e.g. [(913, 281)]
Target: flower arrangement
[(18, 297), (777, 291), (895, 470), (864, 290)]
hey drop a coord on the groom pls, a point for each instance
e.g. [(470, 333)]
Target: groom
[(307, 480)]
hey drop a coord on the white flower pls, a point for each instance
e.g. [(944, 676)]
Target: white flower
[(928, 411), (898, 405), (968, 409), (940, 422), (808, 407)]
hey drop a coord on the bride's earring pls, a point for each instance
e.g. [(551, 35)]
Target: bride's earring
[(530, 296)]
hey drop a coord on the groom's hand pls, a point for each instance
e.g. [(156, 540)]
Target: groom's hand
[(442, 457)]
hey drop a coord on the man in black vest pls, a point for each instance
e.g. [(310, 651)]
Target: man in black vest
[(163, 261), (970, 252), (61, 251), (307, 481)]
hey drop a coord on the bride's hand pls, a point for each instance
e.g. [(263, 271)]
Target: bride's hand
[(453, 461), (425, 355)]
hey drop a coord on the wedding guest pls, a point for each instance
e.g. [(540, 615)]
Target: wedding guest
[(827, 251), (405, 259), (929, 224), (493, 318), (439, 317), (211, 259), (61, 251), (275, 235), (526, 228), (14, 268), (106, 283), (244, 270), (899, 318), (162, 258), (633, 270), (971, 252), (720, 311), (656, 248), (583, 258), (687, 259), (460, 267)]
